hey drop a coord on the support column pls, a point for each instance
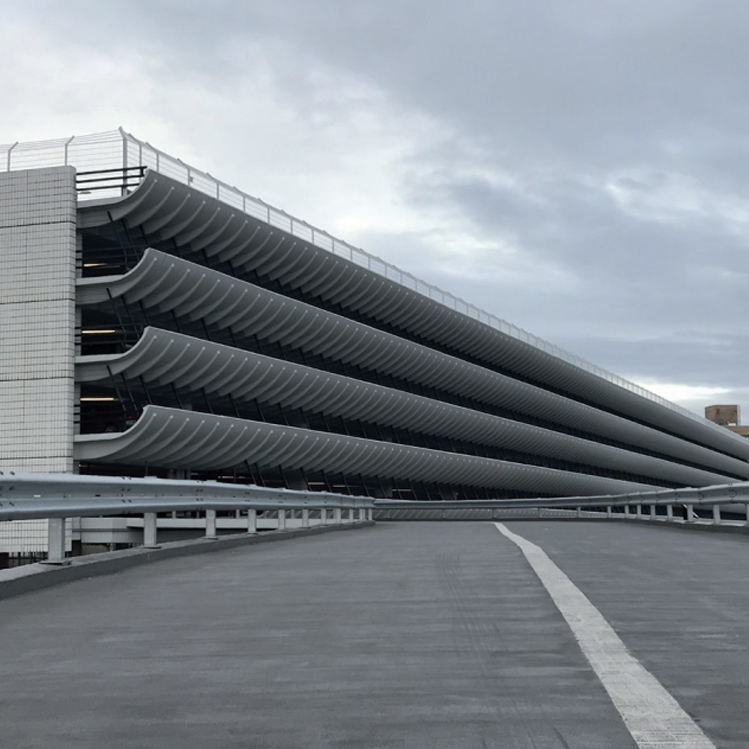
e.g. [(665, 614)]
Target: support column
[(56, 541), (210, 524), (37, 330), (252, 521), (150, 531)]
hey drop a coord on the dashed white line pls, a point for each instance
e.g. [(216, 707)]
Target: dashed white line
[(653, 717)]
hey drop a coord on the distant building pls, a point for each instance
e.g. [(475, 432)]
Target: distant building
[(156, 321), (728, 417)]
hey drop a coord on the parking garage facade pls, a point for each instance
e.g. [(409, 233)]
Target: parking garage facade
[(192, 331)]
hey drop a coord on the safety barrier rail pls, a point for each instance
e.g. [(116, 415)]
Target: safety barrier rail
[(56, 497), (719, 499)]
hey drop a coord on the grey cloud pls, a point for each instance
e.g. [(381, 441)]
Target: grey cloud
[(543, 104)]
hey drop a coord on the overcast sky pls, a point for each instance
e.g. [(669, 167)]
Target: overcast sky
[(578, 168)]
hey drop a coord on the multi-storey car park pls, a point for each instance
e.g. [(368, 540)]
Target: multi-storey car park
[(156, 321)]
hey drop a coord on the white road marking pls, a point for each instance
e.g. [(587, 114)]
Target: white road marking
[(654, 718)]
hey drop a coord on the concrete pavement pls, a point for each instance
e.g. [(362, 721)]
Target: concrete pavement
[(400, 635)]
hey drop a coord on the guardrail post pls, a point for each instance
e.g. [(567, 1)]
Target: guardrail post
[(579, 512), (324, 516), (337, 520), (56, 541), (652, 512), (716, 514), (638, 512), (305, 518), (669, 513), (150, 531), (361, 514), (369, 514), (252, 521), (626, 511), (210, 524), (690, 514), (746, 507), (281, 520), (608, 511)]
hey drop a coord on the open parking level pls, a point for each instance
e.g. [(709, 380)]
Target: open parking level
[(398, 635)]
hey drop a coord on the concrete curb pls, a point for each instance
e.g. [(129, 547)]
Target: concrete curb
[(31, 577)]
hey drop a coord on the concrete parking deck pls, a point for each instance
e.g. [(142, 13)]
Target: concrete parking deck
[(400, 635)]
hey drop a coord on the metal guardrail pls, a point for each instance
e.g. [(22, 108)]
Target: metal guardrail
[(718, 498), (55, 497)]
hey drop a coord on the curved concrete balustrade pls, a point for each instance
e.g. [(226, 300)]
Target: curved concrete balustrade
[(195, 292), (195, 364), (163, 209), (199, 441)]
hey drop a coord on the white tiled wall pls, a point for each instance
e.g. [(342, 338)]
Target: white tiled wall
[(37, 330)]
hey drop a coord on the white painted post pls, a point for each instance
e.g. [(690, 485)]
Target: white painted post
[(670, 513), (150, 530), (324, 516), (361, 514), (305, 518), (608, 511), (690, 514), (252, 521), (716, 514), (281, 520), (56, 541), (337, 519), (579, 512), (639, 512), (652, 512), (626, 511), (746, 507), (370, 513), (210, 524)]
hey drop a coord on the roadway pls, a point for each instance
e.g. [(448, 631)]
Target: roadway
[(400, 635)]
